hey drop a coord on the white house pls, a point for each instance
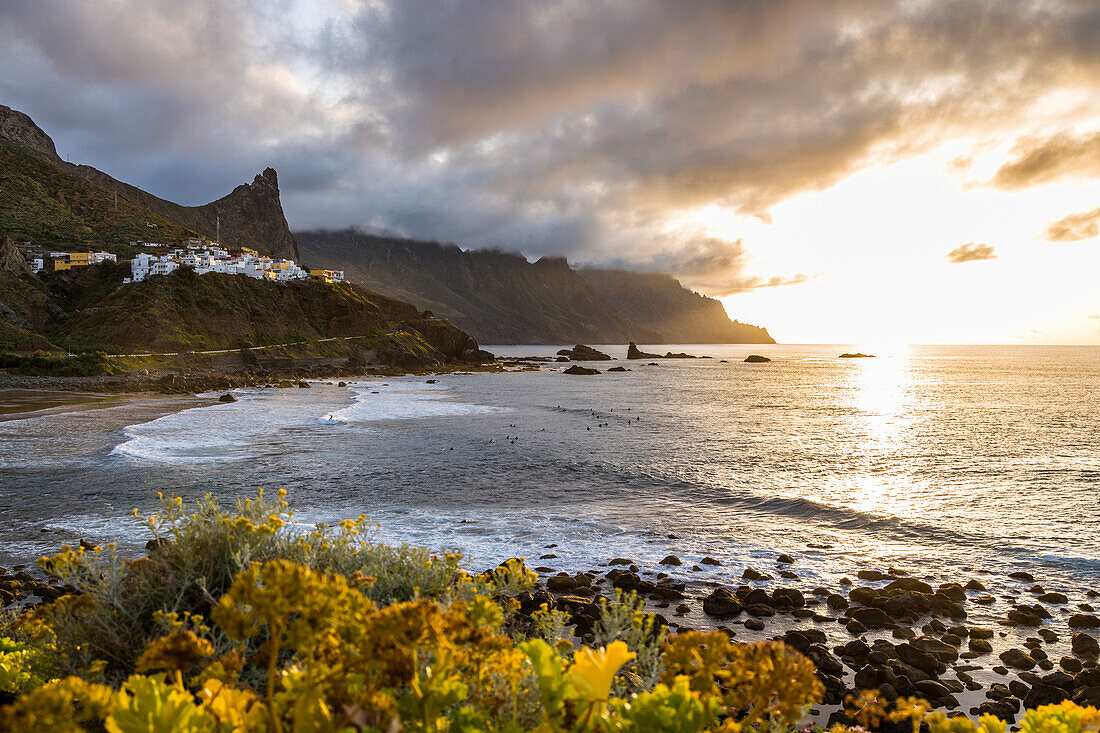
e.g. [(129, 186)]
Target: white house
[(164, 267), (215, 259)]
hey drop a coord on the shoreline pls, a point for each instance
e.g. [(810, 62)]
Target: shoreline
[(867, 634), (196, 381), (887, 629)]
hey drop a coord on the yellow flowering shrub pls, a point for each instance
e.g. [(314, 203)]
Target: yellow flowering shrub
[(300, 637), (22, 666)]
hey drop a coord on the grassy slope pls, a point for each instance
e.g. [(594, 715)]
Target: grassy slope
[(187, 311), (42, 203)]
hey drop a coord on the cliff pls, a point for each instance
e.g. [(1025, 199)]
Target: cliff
[(503, 298), (88, 309), (659, 302), (498, 297), (43, 198), (251, 214)]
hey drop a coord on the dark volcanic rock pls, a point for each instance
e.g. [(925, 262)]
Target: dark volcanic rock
[(872, 618), (1083, 621), (1056, 598), (981, 646), (633, 352), (788, 598), (721, 603), (856, 355), (756, 359), (872, 575), (920, 659), (1018, 659), (1085, 645), (227, 398), (938, 649), (910, 584), (754, 574), (580, 370), (580, 352), (1043, 694)]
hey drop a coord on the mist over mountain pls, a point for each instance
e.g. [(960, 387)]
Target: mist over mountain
[(502, 298)]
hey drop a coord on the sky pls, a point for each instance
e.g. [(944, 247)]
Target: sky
[(842, 171)]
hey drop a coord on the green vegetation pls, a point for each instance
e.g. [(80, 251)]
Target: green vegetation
[(91, 310), (41, 364), (237, 621), (42, 202), (16, 339)]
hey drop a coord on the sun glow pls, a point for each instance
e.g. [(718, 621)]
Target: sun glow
[(882, 388)]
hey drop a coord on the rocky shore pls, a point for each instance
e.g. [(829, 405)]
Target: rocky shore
[(885, 630), (192, 381), (984, 644)]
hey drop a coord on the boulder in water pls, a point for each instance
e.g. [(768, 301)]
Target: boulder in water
[(227, 398), (580, 370), (580, 352), (633, 352)]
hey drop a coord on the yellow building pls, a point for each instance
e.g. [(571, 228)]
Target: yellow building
[(249, 252), (61, 265), (328, 276)]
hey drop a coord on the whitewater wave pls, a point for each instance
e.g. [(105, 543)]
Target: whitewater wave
[(371, 403), (261, 419)]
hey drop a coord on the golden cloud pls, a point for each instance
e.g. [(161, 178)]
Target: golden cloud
[(971, 252), (1074, 228)]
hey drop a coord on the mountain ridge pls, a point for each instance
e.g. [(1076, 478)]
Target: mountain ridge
[(500, 297), (660, 302), (251, 215)]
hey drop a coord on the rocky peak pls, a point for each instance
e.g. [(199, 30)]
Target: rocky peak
[(268, 179), (17, 127), (252, 215)]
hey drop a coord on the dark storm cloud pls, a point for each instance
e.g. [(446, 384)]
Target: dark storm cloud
[(971, 252), (544, 126), (1074, 227), (1047, 160)]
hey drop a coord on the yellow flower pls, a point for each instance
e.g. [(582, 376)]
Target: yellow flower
[(593, 671)]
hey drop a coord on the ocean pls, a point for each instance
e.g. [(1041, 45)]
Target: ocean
[(946, 461)]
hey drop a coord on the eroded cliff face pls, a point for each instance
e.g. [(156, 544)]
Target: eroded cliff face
[(251, 215), (661, 303), (18, 128), (502, 298), (498, 297)]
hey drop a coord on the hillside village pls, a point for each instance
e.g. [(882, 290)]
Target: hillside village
[(201, 256)]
